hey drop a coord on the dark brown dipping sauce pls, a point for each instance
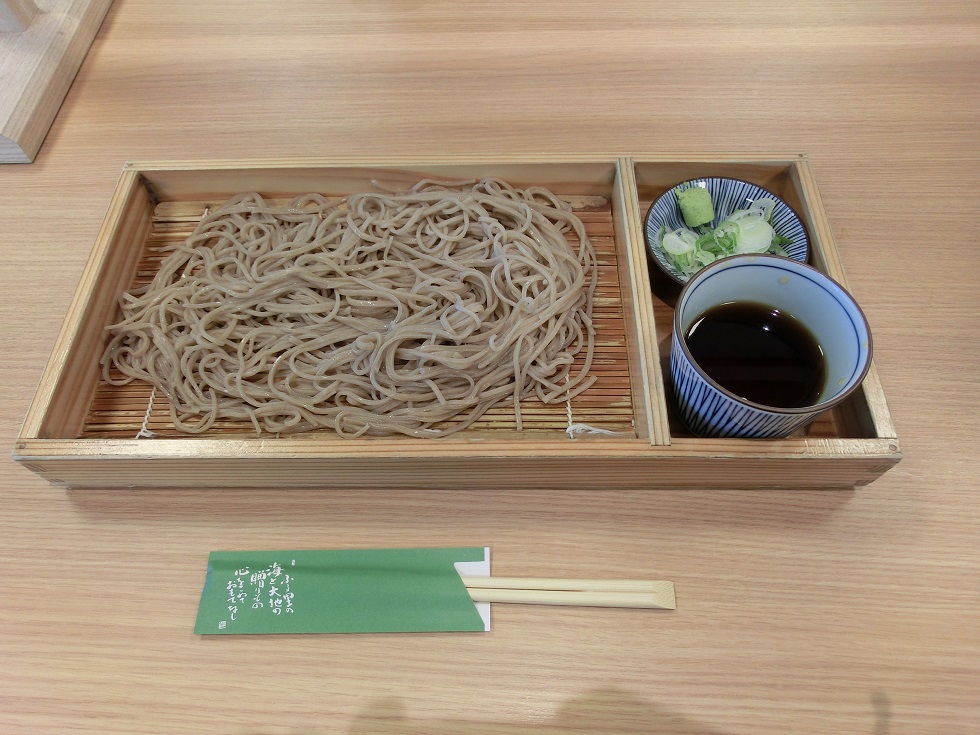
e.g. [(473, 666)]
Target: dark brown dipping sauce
[(759, 353)]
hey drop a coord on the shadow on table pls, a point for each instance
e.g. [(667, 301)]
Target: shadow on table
[(599, 712)]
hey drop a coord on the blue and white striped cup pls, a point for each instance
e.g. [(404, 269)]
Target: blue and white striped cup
[(817, 301)]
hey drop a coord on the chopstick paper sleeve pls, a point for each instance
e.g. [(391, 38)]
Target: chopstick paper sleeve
[(338, 591)]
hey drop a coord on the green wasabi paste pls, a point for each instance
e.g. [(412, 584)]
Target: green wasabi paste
[(696, 207)]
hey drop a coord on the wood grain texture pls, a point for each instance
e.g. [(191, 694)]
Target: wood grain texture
[(16, 15), (37, 66), (797, 611)]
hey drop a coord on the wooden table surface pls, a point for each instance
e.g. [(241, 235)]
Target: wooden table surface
[(798, 611)]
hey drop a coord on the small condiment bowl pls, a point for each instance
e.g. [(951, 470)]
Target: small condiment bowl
[(727, 196)]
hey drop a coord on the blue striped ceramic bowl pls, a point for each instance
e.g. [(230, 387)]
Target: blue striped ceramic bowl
[(727, 196), (817, 301)]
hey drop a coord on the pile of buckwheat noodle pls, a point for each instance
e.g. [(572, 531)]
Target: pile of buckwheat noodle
[(378, 313)]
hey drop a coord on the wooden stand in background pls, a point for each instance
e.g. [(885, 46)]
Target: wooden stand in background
[(42, 45)]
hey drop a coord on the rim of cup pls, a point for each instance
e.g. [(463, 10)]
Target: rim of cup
[(803, 269)]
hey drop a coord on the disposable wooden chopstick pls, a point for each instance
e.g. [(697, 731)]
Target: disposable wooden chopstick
[(583, 592)]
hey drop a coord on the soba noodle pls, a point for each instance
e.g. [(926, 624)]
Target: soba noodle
[(376, 314)]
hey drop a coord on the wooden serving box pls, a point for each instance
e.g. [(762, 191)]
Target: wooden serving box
[(83, 433)]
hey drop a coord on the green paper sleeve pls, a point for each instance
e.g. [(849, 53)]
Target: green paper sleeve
[(338, 591)]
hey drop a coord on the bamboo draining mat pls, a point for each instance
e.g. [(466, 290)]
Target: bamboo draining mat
[(119, 411)]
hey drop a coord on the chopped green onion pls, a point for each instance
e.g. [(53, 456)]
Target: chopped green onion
[(743, 231)]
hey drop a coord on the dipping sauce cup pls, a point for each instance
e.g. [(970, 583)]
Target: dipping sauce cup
[(722, 386)]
